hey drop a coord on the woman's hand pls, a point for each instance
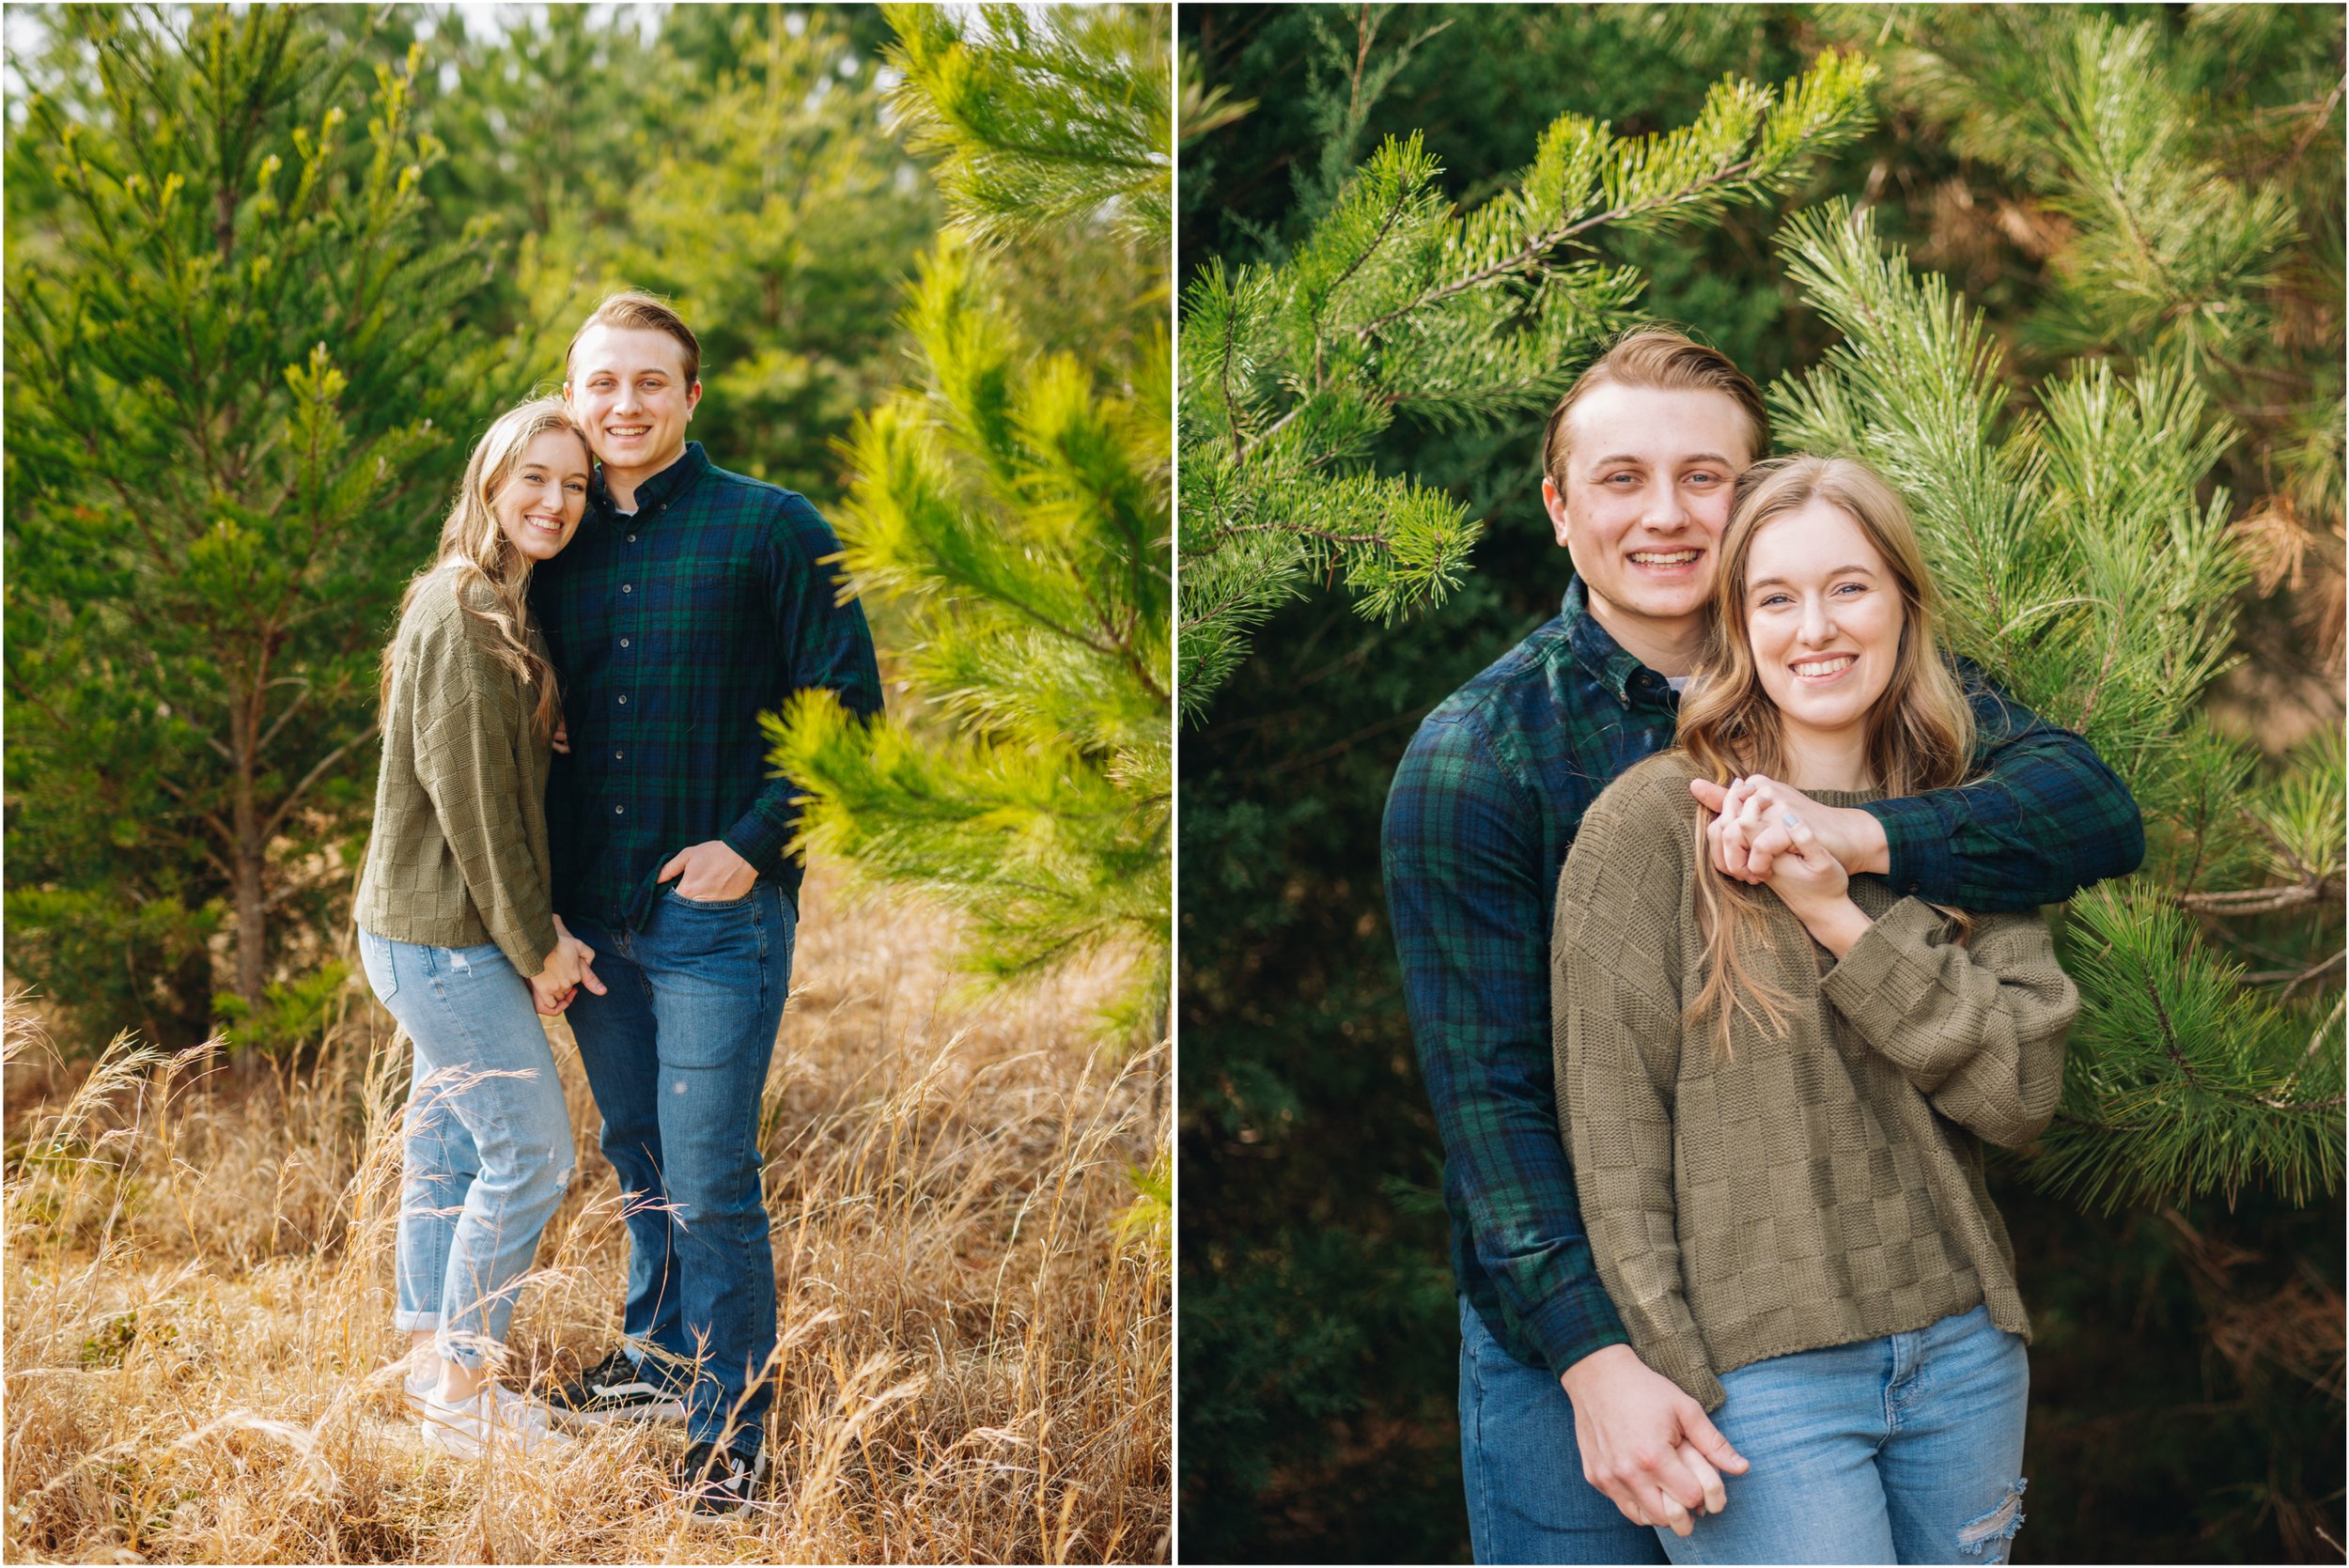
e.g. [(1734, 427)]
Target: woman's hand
[(550, 988), (1748, 831), (1815, 886), (561, 739), (568, 966)]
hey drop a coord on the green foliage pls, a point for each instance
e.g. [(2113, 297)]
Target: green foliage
[(1014, 505), (1041, 123), (1291, 371), (294, 1014), (204, 507), (2091, 582), (230, 377), (1318, 1323)]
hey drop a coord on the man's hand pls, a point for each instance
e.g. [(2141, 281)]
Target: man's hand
[(710, 872), (1749, 833), (550, 988), (1644, 1443)]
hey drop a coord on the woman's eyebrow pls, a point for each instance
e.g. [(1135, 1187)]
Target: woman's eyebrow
[(1832, 571)]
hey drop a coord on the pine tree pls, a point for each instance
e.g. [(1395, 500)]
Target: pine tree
[(2086, 577), (2180, 180), (1013, 504), (231, 384), (1394, 304)]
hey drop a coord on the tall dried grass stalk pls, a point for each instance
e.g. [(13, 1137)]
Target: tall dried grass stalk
[(200, 1364)]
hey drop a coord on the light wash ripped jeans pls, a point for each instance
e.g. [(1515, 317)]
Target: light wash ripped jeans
[(489, 1138), (1905, 1449)]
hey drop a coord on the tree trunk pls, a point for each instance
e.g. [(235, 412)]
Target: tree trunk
[(249, 864)]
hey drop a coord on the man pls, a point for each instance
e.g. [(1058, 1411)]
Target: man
[(1571, 1446), (692, 600)]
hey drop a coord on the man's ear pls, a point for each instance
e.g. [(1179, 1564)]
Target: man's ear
[(1555, 505), (693, 398)]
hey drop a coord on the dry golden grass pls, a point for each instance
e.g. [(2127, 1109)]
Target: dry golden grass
[(200, 1363)]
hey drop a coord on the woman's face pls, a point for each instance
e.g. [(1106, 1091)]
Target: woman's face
[(540, 503), (1823, 616)]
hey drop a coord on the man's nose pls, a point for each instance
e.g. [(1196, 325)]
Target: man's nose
[(1664, 509)]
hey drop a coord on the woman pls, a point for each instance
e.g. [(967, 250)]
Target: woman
[(456, 929), (1774, 1097)]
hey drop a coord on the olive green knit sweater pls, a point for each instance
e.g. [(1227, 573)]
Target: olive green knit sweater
[(458, 854), (1811, 1190)]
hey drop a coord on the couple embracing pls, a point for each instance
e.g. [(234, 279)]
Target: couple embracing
[(1716, 902), (574, 815)]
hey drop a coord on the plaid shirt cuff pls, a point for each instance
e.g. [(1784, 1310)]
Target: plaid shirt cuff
[(1917, 846), (1572, 1324), (758, 840)]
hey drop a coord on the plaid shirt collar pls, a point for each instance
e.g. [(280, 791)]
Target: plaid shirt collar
[(671, 484), (1616, 670)]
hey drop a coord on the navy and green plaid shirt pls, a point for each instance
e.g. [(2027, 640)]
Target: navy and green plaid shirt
[(672, 629), (1478, 823)]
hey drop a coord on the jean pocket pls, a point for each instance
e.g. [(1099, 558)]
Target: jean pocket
[(673, 896), (375, 960)]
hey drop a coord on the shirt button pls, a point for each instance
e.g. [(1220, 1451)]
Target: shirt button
[(618, 810), (619, 756), (623, 701), (1914, 886), (632, 538), (623, 641), (628, 588)]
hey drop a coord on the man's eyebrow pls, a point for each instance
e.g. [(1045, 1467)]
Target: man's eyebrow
[(1635, 457), (1832, 571)]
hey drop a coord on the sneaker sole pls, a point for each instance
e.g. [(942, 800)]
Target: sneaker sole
[(442, 1440), (672, 1411)]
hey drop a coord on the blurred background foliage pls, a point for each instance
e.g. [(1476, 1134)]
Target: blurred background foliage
[(187, 801), (2188, 1366)]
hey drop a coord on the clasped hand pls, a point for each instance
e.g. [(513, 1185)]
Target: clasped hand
[(1771, 834), (568, 968)]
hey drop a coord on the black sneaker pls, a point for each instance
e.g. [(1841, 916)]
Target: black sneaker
[(719, 1481), (613, 1390)]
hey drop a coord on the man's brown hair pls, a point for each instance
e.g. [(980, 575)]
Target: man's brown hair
[(635, 308), (1658, 359)]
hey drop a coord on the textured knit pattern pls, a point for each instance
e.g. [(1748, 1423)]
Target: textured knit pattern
[(673, 628), (458, 856), (1816, 1189), (1483, 809)]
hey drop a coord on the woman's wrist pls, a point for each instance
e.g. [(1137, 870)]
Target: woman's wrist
[(1837, 925)]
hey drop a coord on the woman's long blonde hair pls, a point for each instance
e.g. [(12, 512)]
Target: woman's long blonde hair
[(1920, 730), (476, 551)]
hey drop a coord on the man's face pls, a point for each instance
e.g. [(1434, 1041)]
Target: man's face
[(627, 390), (1648, 477)]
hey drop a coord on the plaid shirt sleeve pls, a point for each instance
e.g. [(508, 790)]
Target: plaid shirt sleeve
[(2046, 820), (1467, 894), (824, 642)]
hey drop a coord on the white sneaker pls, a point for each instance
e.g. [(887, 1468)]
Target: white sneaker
[(496, 1415), (415, 1390)]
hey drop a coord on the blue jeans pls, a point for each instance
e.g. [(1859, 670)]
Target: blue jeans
[(677, 1053), (488, 1138), (1527, 1499), (1906, 1449)]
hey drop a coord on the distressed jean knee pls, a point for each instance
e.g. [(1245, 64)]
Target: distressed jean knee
[(1991, 1536)]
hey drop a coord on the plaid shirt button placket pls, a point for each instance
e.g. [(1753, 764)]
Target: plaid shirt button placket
[(1483, 809), (672, 630)]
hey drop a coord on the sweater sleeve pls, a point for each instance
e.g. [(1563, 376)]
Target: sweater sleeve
[(1616, 1037), (467, 763), (1977, 1028)]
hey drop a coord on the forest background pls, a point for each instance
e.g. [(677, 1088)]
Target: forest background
[(270, 272), (2186, 1378)]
